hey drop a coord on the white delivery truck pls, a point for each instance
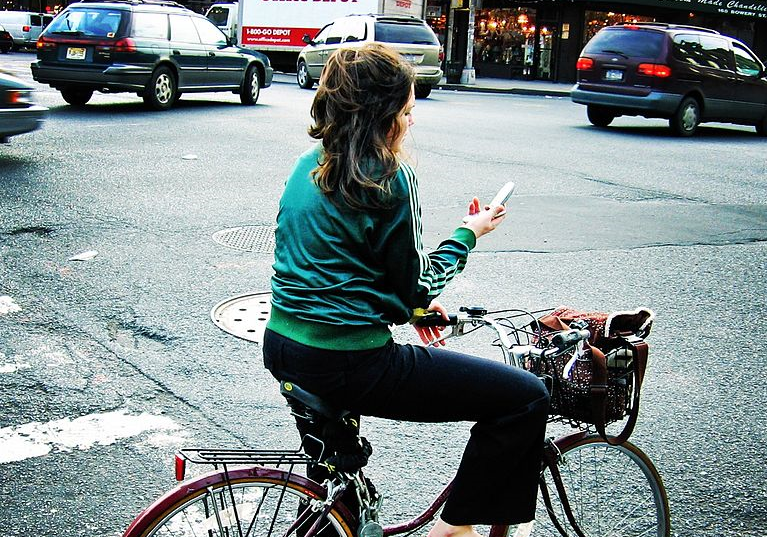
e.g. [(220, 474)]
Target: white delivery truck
[(277, 27)]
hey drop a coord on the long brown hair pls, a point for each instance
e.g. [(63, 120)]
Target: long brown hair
[(361, 93)]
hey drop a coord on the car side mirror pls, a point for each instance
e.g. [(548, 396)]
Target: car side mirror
[(307, 39)]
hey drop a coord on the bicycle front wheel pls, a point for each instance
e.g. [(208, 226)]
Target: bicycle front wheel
[(250, 502), (614, 491)]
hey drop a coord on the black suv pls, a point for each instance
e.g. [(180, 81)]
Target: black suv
[(685, 74), (157, 49)]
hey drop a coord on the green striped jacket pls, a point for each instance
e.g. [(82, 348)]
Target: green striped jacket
[(342, 276)]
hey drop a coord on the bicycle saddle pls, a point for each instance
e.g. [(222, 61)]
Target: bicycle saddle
[(290, 390)]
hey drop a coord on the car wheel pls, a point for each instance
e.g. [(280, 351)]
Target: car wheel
[(685, 120), (76, 96), (422, 91), (251, 86), (6, 50), (599, 117), (303, 77), (160, 94)]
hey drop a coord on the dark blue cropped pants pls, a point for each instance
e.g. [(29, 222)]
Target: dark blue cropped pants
[(498, 474)]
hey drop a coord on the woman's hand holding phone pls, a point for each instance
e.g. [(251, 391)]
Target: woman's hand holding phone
[(485, 220)]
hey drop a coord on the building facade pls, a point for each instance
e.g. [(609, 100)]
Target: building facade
[(541, 40)]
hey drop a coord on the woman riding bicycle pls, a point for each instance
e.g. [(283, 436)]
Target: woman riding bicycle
[(349, 262)]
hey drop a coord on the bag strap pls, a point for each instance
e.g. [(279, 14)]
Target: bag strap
[(598, 387)]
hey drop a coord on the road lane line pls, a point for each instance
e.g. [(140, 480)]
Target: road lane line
[(36, 439)]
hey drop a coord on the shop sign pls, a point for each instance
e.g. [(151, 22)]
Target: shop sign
[(747, 8)]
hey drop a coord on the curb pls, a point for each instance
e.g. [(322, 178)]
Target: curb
[(289, 78), (509, 91)]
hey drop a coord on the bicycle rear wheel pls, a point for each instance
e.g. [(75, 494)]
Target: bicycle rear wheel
[(612, 490), (252, 502)]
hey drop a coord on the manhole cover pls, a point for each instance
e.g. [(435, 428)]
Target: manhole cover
[(244, 316), (248, 238)]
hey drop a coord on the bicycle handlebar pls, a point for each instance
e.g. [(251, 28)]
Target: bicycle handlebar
[(556, 344), (435, 319)]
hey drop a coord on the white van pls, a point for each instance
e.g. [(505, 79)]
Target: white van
[(225, 17), (24, 26)]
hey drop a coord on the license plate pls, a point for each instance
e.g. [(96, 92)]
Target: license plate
[(75, 53), (613, 74)]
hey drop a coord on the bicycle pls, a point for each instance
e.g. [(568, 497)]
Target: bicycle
[(588, 487)]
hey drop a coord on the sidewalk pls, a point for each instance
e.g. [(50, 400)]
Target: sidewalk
[(484, 85), (517, 87)]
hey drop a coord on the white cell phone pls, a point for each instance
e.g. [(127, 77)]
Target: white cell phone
[(502, 197)]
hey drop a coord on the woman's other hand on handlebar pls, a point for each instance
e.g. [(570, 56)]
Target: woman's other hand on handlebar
[(482, 221), (430, 334)]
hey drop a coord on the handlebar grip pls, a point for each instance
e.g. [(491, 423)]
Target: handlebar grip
[(568, 338), (435, 319)]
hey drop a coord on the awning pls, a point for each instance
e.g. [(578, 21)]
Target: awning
[(746, 8)]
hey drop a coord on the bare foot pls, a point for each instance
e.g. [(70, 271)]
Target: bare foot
[(443, 529)]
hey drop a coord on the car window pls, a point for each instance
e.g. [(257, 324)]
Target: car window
[(346, 30), (357, 30), (88, 22), (150, 25), (745, 62), (182, 29), (335, 32), (396, 32), (209, 32), (35, 20), (218, 15), (703, 50), (687, 49), (640, 43), (322, 35), (715, 52)]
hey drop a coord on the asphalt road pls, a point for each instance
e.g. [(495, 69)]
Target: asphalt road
[(110, 364)]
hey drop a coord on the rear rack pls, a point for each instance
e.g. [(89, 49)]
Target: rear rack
[(668, 26), (244, 456)]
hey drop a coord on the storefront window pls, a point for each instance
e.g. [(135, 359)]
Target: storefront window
[(436, 17), (504, 38), (596, 20)]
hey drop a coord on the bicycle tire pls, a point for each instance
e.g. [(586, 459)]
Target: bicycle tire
[(613, 490), (246, 502)]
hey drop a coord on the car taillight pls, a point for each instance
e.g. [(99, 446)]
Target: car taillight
[(654, 69), (584, 64), (26, 28), (19, 97), (126, 44), (44, 44)]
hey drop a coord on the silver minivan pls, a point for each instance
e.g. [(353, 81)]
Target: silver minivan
[(24, 26), (409, 36)]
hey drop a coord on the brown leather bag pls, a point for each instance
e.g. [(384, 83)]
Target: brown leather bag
[(602, 383)]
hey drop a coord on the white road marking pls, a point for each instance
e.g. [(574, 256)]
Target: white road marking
[(12, 367), (8, 305), (36, 439)]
